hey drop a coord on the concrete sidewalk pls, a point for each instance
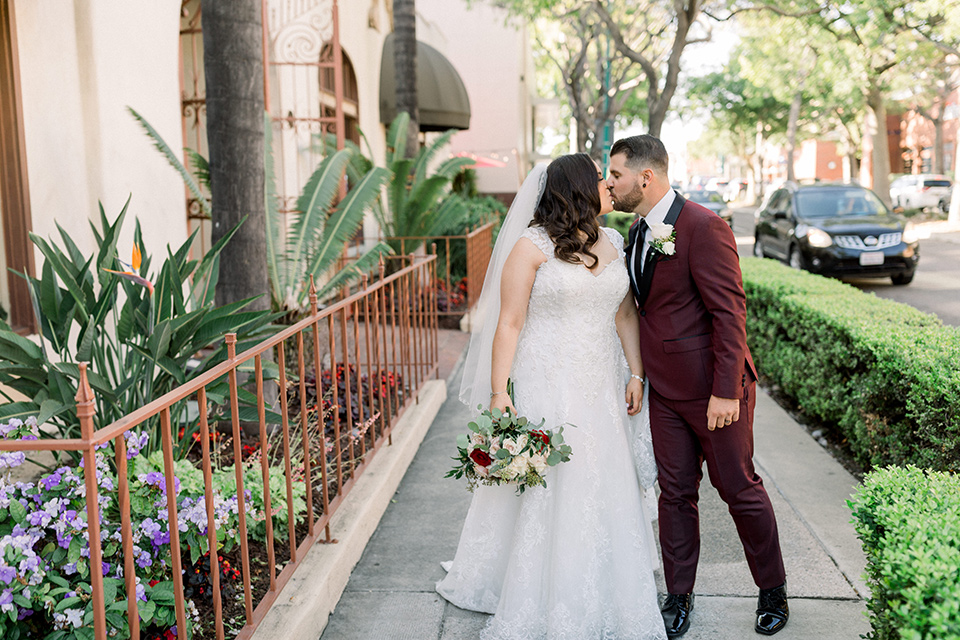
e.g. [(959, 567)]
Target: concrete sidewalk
[(391, 595)]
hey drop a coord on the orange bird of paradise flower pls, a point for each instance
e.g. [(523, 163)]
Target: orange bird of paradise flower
[(133, 270)]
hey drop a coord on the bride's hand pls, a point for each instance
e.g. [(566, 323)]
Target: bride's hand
[(634, 396), (502, 401)]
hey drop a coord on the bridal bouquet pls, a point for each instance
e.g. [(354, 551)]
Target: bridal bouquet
[(503, 448)]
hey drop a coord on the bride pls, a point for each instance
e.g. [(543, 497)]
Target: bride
[(573, 559)]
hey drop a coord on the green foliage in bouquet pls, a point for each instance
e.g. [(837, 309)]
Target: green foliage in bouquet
[(138, 330), (504, 448)]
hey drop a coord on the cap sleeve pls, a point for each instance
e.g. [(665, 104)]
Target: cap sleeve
[(540, 237), (615, 239)]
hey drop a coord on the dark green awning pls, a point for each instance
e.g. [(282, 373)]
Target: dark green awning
[(441, 96)]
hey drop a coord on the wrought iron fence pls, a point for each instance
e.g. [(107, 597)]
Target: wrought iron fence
[(370, 353), (462, 262)]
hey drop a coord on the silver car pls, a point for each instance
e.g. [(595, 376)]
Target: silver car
[(920, 191)]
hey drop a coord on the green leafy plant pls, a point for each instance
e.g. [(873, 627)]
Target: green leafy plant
[(880, 373), (139, 331), (417, 201), (308, 242), (908, 521), (317, 231)]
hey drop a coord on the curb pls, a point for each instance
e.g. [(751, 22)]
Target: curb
[(303, 607)]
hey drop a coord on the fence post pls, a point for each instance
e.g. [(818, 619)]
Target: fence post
[(86, 409)]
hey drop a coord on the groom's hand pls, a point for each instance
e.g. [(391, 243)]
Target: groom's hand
[(634, 396), (721, 412)]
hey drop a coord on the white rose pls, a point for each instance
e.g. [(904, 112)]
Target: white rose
[(477, 439), (513, 447), (538, 463), (669, 248), (661, 231), (519, 466)]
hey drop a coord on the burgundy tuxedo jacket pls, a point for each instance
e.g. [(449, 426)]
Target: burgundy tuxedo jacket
[(692, 308)]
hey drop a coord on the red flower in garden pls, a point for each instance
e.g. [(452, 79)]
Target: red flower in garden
[(481, 457)]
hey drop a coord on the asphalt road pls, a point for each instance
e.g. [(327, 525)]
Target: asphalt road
[(935, 288)]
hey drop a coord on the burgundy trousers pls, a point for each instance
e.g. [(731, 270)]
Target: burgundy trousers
[(681, 443)]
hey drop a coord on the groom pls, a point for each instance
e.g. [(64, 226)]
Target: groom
[(687, 282)]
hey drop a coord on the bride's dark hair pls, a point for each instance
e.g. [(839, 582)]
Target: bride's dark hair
[(570, 204)]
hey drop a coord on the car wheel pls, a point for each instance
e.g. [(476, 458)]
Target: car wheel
[(795, 260), (944, 205), (758, 248), (902, 279)]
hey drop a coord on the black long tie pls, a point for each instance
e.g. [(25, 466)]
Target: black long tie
[(641, 239)]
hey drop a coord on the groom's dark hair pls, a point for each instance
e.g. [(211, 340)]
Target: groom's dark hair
[(641, 152)]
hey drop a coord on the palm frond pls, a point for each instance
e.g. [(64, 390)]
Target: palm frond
[(345, 220), (397, 137), (352, 272), (174, 161), (313, 204), (274, 222)]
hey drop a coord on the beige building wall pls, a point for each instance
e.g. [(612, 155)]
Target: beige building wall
[(492, 55), (81, 64)]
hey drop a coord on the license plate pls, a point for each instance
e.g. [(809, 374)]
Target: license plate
[(871, 258)]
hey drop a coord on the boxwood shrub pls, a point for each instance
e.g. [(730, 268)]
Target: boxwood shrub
[(884, 374), (909, 522)]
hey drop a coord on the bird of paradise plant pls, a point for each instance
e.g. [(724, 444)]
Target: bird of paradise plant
[(137, 329)]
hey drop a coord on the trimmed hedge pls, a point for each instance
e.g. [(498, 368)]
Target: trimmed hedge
[(884, 374), (909, 523)]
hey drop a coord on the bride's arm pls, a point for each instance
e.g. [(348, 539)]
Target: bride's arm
[(628, 328), (519, 272)]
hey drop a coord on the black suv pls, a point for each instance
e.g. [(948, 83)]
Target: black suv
[(836, 230)]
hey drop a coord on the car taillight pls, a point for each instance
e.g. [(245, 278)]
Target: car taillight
[(925, 188)]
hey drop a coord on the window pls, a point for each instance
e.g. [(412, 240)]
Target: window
[(351, 94), (17, 252)]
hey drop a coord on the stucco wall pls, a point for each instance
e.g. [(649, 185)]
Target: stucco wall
[(492, 57), (81, 64)]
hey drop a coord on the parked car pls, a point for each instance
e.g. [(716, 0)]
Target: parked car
[(713, 201), (920, 191), (836, 230)]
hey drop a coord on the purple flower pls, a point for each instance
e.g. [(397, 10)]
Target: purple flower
[(6, 600), (24, 613), (7, 574), (51, 481)]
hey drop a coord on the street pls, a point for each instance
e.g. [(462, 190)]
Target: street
[(935, 289)]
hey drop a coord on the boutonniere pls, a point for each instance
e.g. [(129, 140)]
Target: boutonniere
[(663, 239)]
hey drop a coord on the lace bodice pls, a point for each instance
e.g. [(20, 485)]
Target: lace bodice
[(570, 331)]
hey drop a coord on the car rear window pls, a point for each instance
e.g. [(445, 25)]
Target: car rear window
[(936, 183), (830, 203)]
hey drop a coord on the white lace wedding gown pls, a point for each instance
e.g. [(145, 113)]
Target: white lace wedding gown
[(573, 560)]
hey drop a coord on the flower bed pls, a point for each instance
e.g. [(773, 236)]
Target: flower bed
[(880, 373), (909, 523), (45, 548)]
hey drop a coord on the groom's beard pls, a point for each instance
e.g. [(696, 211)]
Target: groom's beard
[(630, 201)]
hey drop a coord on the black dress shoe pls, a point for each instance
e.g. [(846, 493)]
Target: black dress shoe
[(772, 610), (676, 612)]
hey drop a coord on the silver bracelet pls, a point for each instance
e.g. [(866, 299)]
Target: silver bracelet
[(640, 378), (496, 393)]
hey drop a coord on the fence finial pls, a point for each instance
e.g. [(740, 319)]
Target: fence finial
[(86, 406), (313, 287)]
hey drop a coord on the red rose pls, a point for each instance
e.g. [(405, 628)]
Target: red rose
[(481, 457), (543, 437)]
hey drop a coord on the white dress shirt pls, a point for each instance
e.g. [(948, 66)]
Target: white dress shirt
[(656, 215)]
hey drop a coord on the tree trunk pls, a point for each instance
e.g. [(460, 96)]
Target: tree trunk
[(233, 64), (792, 124), (405, 68), (877, 132), (954, 215), (938, 163)]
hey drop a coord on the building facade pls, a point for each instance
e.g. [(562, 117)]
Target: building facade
[(69, 70)]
